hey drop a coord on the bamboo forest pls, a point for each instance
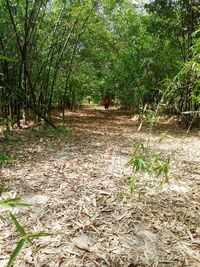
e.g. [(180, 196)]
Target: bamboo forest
[(99, 133)]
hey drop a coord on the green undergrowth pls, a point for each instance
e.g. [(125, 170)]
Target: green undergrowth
[(35, 133), (49, 132), (147, 166)]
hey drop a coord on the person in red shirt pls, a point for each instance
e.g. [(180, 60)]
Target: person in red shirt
[(106, 103)]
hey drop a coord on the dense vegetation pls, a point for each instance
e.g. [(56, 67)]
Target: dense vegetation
[(60, 53)]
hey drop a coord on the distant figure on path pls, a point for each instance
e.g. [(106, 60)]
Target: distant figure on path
[(106, 103)]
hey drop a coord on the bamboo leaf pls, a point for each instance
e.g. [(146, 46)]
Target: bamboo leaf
[(37, 235), (16, 252), (18, 226), (13, 202), (20, 205)]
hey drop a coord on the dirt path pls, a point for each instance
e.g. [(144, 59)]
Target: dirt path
[(77, 187)]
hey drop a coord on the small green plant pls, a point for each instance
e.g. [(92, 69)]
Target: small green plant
[(25, 237), (4, 159), (122, 196), (146, 161), (149, 116), (101, 200)]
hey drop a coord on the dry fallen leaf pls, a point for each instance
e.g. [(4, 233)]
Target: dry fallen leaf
[(82, 242)]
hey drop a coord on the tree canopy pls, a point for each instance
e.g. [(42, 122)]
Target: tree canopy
[(58, 53)]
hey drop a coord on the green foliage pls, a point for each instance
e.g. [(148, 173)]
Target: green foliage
[(101, 200), (46, 131), (25, 238), (12, 203), (146, 161), (19, 228), (94, 48), (5, 159), (16, 252), (184, 89), (148, 116), (6, 58)]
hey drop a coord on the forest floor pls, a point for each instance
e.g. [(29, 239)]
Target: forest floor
[(76, 183)]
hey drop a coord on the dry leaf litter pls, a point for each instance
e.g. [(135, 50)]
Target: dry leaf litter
[(75, 184)]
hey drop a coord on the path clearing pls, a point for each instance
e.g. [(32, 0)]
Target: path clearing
[(76, 185)]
